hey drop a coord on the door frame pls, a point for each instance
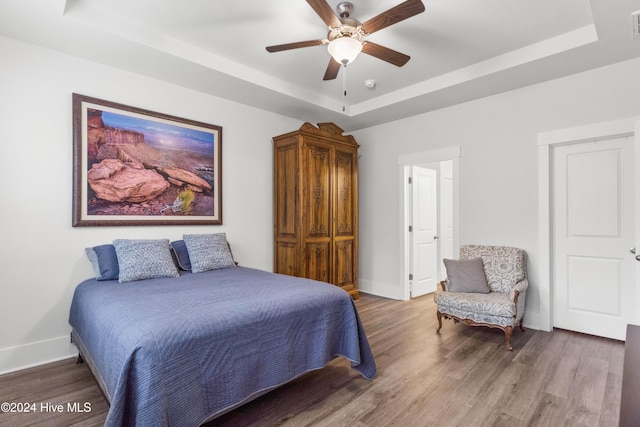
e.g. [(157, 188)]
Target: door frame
[(546, 141), (405, 162)]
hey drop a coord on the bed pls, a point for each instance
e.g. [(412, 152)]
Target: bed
[(184, 350)]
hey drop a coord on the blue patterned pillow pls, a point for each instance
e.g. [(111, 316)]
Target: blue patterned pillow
[(144, 259), (104, 262), (181, 254), (208, 252)]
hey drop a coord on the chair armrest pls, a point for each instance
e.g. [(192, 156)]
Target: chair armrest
[(520, 287)]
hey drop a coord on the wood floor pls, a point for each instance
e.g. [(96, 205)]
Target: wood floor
[(460, 377)]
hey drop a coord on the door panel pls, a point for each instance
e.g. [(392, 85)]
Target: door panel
[(594, 226), (425, 226), (317, 204), (344, 193), (317, 261), (285, 176), (594, 193), (344, 262), (287, 258), (586, 278)]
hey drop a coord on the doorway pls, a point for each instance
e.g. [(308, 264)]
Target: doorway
[(541, 314), (593, 234), (423, 230), (430, 214)]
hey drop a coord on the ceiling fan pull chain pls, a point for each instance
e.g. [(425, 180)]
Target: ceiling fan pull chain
[(344, 88)]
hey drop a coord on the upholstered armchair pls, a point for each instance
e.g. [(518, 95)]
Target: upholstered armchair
[(485, 287)]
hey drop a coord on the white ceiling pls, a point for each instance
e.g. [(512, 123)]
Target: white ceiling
[(460, 49)]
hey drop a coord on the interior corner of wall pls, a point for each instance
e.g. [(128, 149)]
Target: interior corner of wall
[(380, 289)]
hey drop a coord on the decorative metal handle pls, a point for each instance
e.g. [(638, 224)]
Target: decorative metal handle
[(637, 257), (632, 250), (436, 237)]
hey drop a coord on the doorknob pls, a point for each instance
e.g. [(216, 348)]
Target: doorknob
[(632, 250), (637, 257)]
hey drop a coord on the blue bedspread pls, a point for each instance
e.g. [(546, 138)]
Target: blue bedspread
[(178, 352)]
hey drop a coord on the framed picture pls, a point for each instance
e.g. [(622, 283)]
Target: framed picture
[(138, 167)]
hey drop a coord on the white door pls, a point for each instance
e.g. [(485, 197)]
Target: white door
[(424, 248), (593, 232)]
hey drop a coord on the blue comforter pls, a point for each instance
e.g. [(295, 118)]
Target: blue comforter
[(181, 351)]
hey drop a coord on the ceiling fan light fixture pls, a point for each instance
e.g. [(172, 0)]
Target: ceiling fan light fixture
[(346, 34), (345, 49)]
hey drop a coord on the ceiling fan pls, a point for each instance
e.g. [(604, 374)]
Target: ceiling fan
[(345, 39)]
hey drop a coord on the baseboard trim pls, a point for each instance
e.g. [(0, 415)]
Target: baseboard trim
[(532, 320), (379, 289), (34, 354)]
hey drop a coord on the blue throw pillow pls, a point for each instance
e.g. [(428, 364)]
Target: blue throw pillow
[(208, 252), (144, 259), (181, 254), (104, 262)]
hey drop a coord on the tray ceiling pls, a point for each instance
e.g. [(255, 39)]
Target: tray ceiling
[(460, 49)]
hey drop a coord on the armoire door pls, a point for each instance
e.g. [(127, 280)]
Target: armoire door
[(316, 214), (286, 210), (345, 198)]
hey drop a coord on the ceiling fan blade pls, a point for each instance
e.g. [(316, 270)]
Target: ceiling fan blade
[(384, 53), (392, 16), (325, 12), (296, 45), (332, 70)]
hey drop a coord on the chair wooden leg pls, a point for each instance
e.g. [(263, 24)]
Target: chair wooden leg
[(439, 321), (507, 336), (521, 327)]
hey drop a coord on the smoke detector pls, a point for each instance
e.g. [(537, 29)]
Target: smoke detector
[(370, 84), (635, 17)]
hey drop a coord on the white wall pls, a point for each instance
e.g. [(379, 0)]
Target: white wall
[(498, 166), (42, 257)]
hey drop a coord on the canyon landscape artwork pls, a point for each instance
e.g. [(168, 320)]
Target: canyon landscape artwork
[(141, 169)]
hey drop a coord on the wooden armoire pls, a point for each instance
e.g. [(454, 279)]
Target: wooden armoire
[(316, 205)]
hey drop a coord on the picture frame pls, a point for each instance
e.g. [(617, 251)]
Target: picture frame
[(133, 166)]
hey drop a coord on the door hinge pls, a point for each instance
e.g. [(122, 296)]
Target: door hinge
[(410, 180), (410, 228), (410, 276)]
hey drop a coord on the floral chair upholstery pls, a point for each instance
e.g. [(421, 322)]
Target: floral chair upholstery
[(502, 306)]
